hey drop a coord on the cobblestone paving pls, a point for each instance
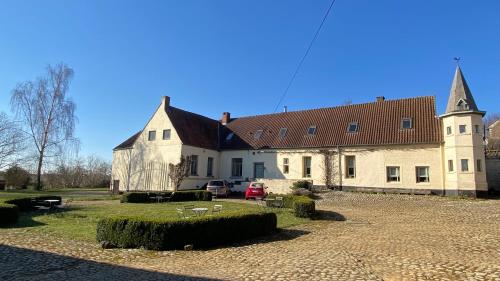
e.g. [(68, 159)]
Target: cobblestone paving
[(383, 237)]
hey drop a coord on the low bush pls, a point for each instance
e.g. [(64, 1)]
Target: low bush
[(302, 206), (169, 234), (8, 213), (177, 196), (302, 192), (301, 184)]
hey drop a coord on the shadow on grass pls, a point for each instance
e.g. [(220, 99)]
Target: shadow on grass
[(27, 219), (328, 216), (24, 264)]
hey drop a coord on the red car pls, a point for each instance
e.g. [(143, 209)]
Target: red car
[(256, 190)]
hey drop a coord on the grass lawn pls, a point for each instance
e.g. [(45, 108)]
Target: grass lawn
[(76, 194), (79, 220)]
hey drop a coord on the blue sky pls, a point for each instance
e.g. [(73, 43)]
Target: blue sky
[(238, 56)]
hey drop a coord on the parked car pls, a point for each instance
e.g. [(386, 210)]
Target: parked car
[(219, 188), (256, 190)]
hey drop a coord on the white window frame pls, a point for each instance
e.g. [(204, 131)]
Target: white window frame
[(464, 168), (422, 178), (313, 128), (306, 169), (210, 167), (236, 171), (405, 120), (193, 167), (352, 124), (396, 176), (448, 130), (350, 167), (286, 166), (460, 129), (152, 135), (451, 167), (169, 134), (258, 134)]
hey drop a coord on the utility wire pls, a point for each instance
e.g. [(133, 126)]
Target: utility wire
[(305, 55)]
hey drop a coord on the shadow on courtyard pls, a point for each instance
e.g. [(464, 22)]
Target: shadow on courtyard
[(329, 216), (24, 264)]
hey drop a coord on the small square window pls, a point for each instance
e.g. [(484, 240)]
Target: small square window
[(477, 129), (353, 127), (462, 129), (257, 134), (406, 123), (393, 174), (311, 131), (151, 135), (166, 134), (422, 174), (283, 133), (448, 130)]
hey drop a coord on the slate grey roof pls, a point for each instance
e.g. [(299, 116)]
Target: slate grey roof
[(460, 99)]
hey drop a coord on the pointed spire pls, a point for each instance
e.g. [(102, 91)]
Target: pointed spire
[(460, 95)]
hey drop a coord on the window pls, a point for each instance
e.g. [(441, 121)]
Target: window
[(462, 105), (393, 174), (166, 134), (286, 166), (258, 170), (229, 137), (350, 166), (353, 127), (306, 162), (450, 166), (422, 174), (152, 135), (257, 134), (476, 129), (194, 165), (479, 167), (465, 165), (462, 129), (448, 130), (311, 131), (210, 167), (406, 123), (283, 133), (236, 167)]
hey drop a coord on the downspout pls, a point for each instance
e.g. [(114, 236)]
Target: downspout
[(340, 167)]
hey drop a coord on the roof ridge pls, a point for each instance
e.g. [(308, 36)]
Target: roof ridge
[(199, 115), (339, 106)]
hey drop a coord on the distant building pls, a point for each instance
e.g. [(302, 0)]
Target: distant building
[(387, 145)]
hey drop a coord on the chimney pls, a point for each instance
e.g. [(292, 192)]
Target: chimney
[(226, 117), (166, 102), (380, 99), (285, 109)]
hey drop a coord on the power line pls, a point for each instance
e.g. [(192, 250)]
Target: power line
[(305, 55)]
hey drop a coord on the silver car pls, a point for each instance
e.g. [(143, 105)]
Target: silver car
[(218, 188)]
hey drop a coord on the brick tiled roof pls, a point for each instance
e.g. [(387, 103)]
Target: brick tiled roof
[(379, 123), (129, 142)]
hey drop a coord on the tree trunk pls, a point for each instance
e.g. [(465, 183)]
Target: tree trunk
[(39, 173)]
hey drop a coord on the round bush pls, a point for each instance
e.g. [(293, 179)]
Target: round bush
[(9, 214)]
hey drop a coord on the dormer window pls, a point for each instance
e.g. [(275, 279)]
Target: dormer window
[(282, 133), (462, 105), (229, 137), (257, 134), (312, 130), (353, 127), (406, 123)]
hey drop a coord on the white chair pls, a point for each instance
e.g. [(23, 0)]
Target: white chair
[(217, 209), (181, 214), (278, 202)]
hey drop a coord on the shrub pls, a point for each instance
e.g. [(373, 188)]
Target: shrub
[(17, 177), (302, 192), (8, 213), (302, 206), (302, 184), (168, 234), (177, 196)]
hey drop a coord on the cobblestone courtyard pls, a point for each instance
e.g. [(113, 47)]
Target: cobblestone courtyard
[(383, 237)]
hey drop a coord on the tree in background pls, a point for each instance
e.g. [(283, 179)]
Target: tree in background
[(11, 141), (90, 171), (179, 171), (16, 176), (47, 113)]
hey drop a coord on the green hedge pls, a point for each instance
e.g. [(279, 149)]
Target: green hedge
[(8, 213), (302, 206), (28, 203), (169, 234), (177, 196)]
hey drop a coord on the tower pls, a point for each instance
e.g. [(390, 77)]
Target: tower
[(463, 148)]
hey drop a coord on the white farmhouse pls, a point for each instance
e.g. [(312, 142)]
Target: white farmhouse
[(387, 145)]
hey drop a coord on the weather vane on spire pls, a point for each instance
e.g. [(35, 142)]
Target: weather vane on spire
[(457, 60)]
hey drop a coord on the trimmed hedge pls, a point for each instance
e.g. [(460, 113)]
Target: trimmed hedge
[(303, 206), (177, 196), (28, 203), (8, 214), (169, 234)]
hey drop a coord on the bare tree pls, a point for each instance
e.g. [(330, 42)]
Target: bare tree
[(490, 119), (47, 113), (11, 141), (328, 167), (179, 171)]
